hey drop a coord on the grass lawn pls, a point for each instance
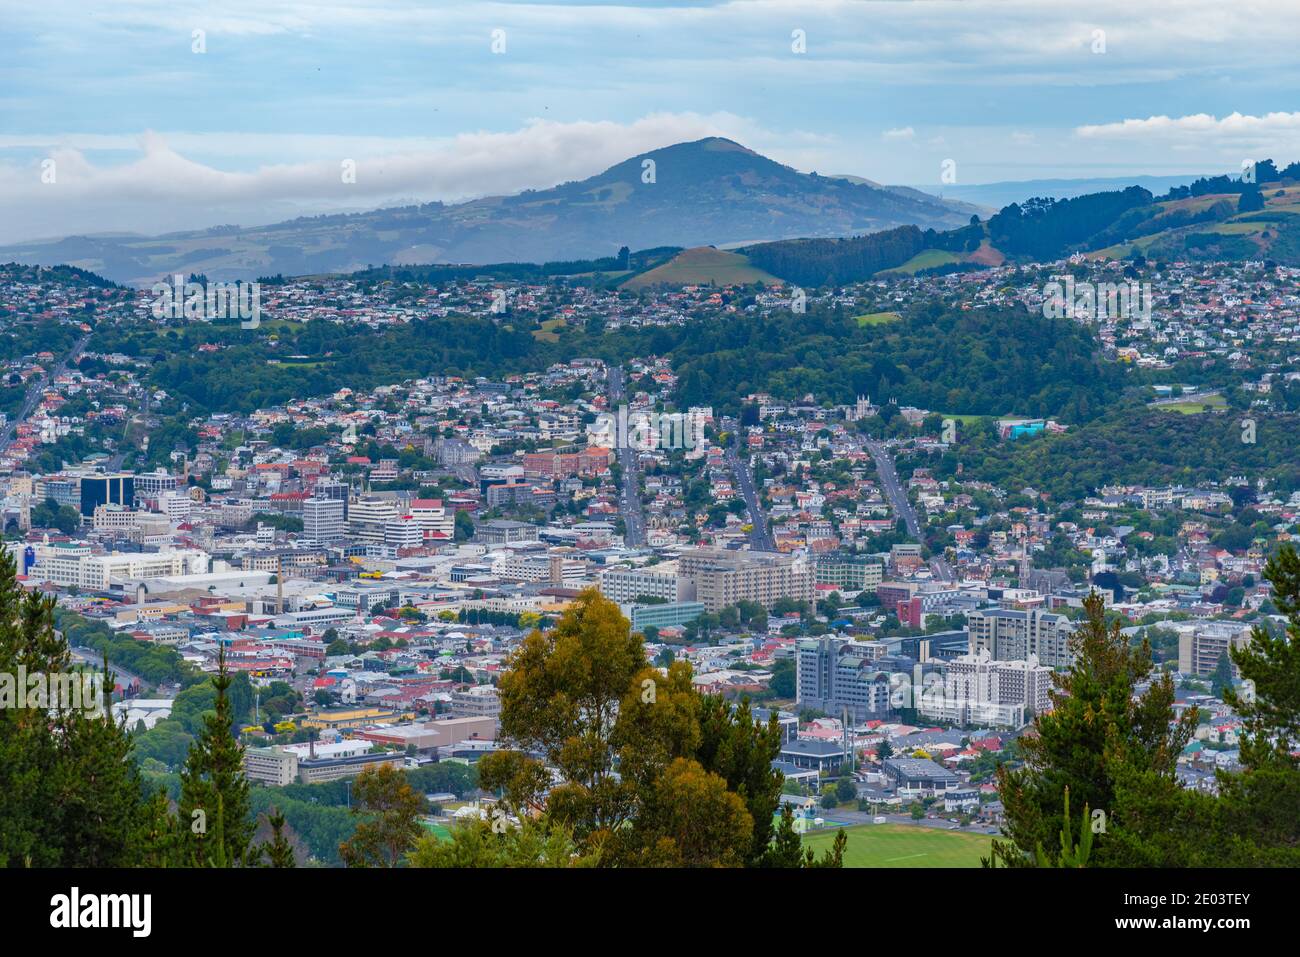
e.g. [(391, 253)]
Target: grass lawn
[(548, 331), (925, 259), (876, 318), (899, 845), (700, 266), (441, 831), (1194, 406)]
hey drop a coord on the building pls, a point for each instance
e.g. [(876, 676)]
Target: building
[(368, 516), (849, 572), (835, 675), (434, 518), (504, 532), (918, 777), (974, 689), (1202, 644), (73, 566), (319, 770), (480, 701), (1009, 635), (273, 766), (825, 757), (673, 614), (115, 489), (323, 520), (628, 585), (722, 577)]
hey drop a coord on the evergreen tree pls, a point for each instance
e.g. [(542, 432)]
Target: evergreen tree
[(1098, 730), (72, 796), (279, 849), (214, 802)]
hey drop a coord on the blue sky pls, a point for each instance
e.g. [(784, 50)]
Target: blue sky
[(147, 135)]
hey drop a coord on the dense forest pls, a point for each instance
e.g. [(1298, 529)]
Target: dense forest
[(1148, 447), (965, 362)]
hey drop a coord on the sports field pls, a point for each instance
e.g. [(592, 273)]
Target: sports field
[(899, 845)]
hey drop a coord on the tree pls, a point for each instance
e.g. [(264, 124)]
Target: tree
[(560, 697), (694, 784), (477, 843), (216, 826), (783, 678), (391, 810), (73, 796), (741, 750), (279, 850), (787, 850), (1099, 730)]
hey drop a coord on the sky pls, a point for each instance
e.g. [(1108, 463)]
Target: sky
[(151, 116)]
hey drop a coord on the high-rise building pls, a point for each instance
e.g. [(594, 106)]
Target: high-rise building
[(1009, 635), (974, 689), (834, 675), (626, 585), (722, 577), (116, 489), (322, 520), (1201, 644)]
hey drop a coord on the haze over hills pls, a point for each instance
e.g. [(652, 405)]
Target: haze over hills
[(707, 192), (996, 195)]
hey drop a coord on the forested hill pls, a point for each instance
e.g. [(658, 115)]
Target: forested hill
[(1213, 218), (959, 361)]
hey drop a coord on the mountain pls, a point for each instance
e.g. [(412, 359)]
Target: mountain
[(708, 192)]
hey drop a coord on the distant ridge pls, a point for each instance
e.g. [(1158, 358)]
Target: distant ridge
[(711, 191)]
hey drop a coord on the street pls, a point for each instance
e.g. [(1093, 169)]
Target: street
[(629, 493)]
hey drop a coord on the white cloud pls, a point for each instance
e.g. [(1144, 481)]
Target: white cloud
[(1235, 138), (900, 134), (162, 190)]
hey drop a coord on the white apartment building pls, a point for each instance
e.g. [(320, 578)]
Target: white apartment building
[(535, 567), (367, 517), (322, 520), (625, 585), (1009, 635), (73, 566), (978, 690)]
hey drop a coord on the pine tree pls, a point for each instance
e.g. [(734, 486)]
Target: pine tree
[(1098, 728), (279, 849), (72, 795), (1261, 805), (214, 803)]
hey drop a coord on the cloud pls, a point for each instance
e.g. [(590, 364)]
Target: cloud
[(159, 189), (1278, 134), (904, 133)]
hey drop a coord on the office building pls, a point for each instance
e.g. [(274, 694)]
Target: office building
[(323, 521), (722, 577), (835, 675), (1009, 635)]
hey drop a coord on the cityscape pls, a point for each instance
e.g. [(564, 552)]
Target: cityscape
[(686, 506)]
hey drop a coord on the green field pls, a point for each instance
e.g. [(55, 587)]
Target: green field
[(1194, 405), (876, 318), (900, 845), (700, 266), (925, 259)]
